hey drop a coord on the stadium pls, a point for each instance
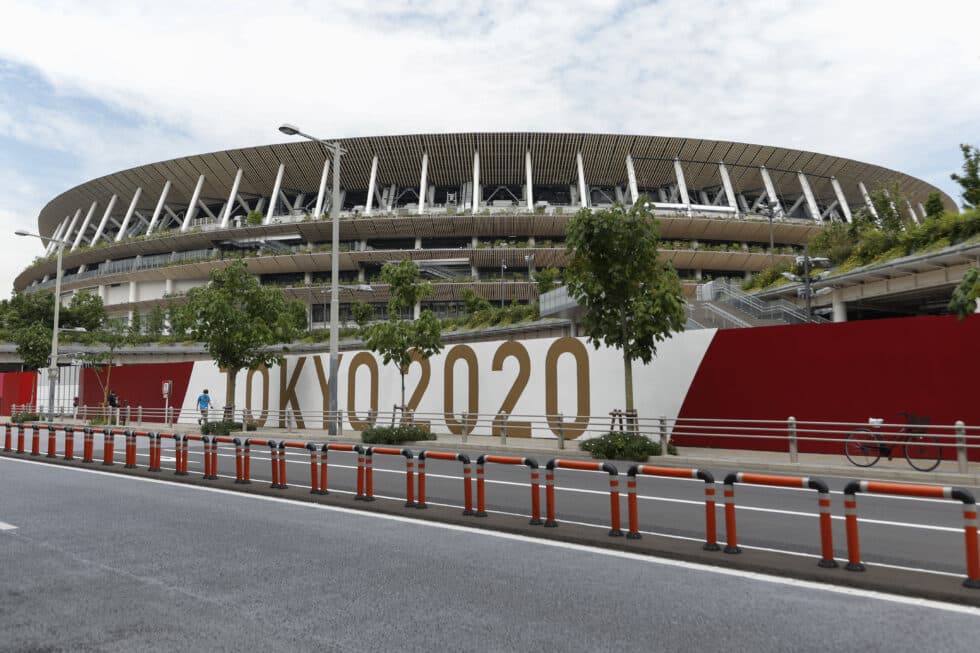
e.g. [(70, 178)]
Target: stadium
[(477, 210)]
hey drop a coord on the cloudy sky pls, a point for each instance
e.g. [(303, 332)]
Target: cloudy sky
[(88, 88)]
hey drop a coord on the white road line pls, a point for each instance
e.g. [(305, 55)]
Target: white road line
[(4, 526), (718, 506), (625, 555)]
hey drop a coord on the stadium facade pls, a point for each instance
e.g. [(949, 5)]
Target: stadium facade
[(476, 210)]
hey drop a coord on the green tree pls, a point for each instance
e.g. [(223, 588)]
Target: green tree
[(964, 300), (114, 335), (934, 205), (239, 320), (136, 325), (33, 345), (156, 322), (86, 311), (969, 181), (633, 301), (402, 341), (547, 279), (473, 302), (362, 312)]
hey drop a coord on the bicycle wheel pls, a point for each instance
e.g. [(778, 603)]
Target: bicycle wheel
[(923, 452), (862, 448)]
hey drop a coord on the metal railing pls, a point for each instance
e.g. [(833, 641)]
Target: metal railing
[(721, 290)]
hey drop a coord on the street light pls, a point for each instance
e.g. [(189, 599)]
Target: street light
[(292, 130), (769, 210), (806, 260), (53, 360), (503, 266)]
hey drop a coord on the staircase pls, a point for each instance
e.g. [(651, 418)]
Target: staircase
[(723, 305)]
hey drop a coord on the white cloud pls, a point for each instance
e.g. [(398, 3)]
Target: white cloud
[(890, 83)]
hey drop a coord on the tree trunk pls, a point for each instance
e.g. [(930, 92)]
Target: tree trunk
[(230, 386), (628, 378), (402, 371)]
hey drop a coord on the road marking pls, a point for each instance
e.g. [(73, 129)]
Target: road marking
[(718, 506), (4, 526), (648, 559)]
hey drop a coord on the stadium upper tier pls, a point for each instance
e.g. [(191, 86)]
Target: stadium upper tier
[(465, 206)]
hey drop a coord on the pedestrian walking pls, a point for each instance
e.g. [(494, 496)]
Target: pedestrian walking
[(203, 404)]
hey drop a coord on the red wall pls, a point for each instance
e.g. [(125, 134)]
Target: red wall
[(138, 385), (839, 372), (15, 388)]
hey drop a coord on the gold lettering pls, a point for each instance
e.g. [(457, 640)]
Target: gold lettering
[(517, 429), (324, 383), (287, 393), (368, 360), (574, 428), (461, 353), (416, 398), (264, 372)]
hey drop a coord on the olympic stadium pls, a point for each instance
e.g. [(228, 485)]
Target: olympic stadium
[(476, 210)]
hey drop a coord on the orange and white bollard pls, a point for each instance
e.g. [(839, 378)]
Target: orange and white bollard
[(7, 433), (35, 440), (69, 443), (108, 447), (731, 536), (155, 457), (130, 450), (20, 438), (52, 441), (88, 445), (323, 469), (274, 457), (314, 472)]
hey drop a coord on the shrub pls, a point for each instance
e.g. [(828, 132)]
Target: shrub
[(395, 434), (20, 418), (102, 421), (224, 427), (623, 445)]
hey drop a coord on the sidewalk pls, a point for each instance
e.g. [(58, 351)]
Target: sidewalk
[(719, 462)]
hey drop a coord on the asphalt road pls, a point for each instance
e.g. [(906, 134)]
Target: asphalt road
[(904, 532), (112, 562)]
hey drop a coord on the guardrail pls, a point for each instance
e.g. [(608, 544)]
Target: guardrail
[(365, 482)]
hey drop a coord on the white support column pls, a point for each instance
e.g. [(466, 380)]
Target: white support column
[(371, 185), (631, 176), (168, 286), (922, 210), (841, 200), (867, 200), (275, 194), (105, 219), (682, 184), (582, 188), (423, 183), (529, 180), (71, 226), (726, 182), (84, 227), (226, 216), (838, 307), (192, 207), (159, 208), (318, 209), (811, 201), (476, 182), (777, 208), (915, 218), (56, 235), (129, 214)]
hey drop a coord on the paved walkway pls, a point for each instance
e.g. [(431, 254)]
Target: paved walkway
[(718, 461)]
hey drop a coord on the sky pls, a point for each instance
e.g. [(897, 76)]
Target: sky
[(90, 88)]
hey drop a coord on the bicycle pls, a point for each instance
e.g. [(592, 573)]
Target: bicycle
[(923, 452)]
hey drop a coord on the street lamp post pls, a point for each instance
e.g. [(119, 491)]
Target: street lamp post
[(807, 279), (769, 211), (53, 361), (503, 266), (292, 130)]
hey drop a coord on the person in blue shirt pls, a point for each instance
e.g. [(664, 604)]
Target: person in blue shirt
[(203, 404)]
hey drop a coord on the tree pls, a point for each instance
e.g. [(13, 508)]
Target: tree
[(473, 302), (33, 347), (964, 300), (156, 322), (136, 325), (934, 205), (969, 181), (633, 301), (114, 335), (86, 311), (547, 280), (239, 320), (362, 312), (402, 341)]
